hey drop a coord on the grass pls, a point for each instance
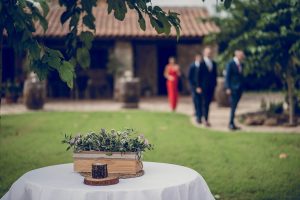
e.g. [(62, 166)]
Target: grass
[(236, 166)]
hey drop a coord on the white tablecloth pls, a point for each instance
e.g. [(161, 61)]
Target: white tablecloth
[(160, 182)]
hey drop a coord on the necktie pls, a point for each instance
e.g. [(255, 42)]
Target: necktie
[(239, 67), (209, 64)]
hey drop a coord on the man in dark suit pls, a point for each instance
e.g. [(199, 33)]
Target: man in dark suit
[(193, 71), (234, 84), (207, 81)]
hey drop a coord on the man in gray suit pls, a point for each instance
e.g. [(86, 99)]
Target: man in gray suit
[(234, 84)]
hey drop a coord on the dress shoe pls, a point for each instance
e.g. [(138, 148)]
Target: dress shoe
[(207, 124), (233, 127), (198, 121)]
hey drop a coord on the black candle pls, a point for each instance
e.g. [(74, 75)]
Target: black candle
[(99, 170)]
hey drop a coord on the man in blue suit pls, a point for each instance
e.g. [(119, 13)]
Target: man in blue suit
[(234, 84), (207, 81), (197, 99)]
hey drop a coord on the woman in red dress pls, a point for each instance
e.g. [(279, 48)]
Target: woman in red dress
[(172, 73)]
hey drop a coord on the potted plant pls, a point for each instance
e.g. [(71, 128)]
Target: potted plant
[(34, 92), (120, 150)]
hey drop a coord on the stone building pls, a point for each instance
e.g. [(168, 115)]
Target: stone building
[(145, 53)]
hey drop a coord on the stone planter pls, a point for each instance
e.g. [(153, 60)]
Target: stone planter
[(221, 97), (130, 92), (117, 162), (34, 92)]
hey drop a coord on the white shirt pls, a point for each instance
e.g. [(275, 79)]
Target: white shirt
[(236, 60), (238, 63), (208, 63), (197, 63)]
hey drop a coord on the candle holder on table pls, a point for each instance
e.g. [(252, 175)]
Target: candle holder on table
[(100, 176)]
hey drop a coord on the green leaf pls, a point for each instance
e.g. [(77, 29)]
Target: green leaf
[(45, 7), (141, 20), (110, 6), (54, 62), (227, 3), (157, 25), (65, 16), (40, 69), (34, 50), (120, 9), (74, 20), (142, 4), (87, 37), (66, 73), (165, 22), (83, 57), (157, 9), (89, 21), (86, 5), (55, 53), (130, 4), (44, 23)]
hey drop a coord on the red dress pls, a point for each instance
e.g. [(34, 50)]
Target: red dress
[(172, 87)]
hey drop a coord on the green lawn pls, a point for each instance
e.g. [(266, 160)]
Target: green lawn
[(235, 165)]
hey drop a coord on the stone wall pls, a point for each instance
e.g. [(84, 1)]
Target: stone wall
[(146, 68)]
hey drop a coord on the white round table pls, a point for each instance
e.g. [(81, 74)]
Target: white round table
[(160, 182)]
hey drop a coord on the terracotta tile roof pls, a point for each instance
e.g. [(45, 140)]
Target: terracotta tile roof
[(109, 27)]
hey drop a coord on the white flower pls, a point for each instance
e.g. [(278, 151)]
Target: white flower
[(141, 137), (146, 142), (72, 141)]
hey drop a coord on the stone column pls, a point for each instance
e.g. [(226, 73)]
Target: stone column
[(123, 52)]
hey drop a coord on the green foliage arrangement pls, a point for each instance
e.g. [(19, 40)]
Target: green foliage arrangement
[(126, 140)]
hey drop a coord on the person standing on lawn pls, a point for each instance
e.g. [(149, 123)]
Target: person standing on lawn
[(197, 99), (234, 84), (172, 73), (207, 81)]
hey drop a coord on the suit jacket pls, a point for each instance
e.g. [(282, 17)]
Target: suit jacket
[(192, 76), (234, 78), (206, 79)]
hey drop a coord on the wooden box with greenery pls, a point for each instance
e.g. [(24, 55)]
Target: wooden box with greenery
[(120, 150)]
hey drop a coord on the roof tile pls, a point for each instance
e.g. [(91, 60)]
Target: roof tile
[(109, 27)]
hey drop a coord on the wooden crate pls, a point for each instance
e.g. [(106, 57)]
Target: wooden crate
[(117, 163)]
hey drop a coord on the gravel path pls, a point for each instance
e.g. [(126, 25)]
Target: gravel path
[(218, 116)]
